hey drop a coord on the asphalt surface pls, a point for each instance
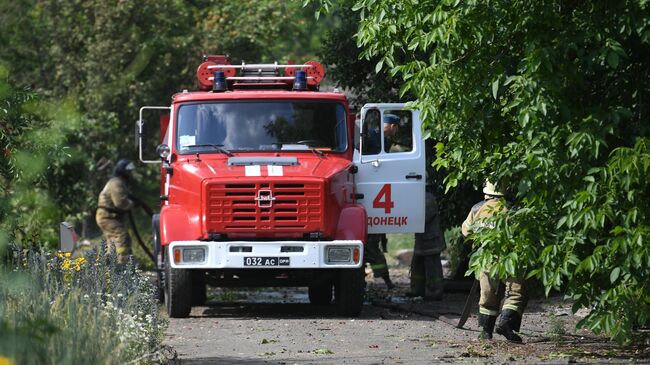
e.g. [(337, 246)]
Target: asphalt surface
[(279, 326)]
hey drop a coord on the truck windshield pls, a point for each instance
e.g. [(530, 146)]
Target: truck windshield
[(261, 126)]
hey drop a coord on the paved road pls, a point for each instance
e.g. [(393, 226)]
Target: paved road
[(274, 332), (279, 326)]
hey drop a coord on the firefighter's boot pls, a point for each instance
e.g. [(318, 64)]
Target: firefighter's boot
[(510, 320), (389, 283), (487, 323)]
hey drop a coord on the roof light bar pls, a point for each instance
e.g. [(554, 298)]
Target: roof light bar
[(262, 78), (261, 65), (257, 75)]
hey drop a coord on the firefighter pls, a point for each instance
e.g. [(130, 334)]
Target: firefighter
[(426, 268), (515, 295), (375, 257), (372, 145), (112, 205)]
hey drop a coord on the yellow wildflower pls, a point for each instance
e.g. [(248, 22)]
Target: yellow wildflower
[(5, 361), (75, 264)]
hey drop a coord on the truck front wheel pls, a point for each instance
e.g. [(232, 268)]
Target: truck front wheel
[(178, 291), (350, 290)]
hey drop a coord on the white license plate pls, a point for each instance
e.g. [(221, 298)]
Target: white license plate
[(266, 261)]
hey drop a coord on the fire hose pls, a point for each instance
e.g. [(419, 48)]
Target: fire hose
[(149, 212)]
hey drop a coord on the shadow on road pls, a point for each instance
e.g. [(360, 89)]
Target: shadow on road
[(279, 311)]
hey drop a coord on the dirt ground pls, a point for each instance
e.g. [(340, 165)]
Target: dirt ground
[(279, 326)]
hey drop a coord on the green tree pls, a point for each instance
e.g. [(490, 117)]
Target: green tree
[(364, 82), (550, 101), (32, 137), (348, 70), (102, 60), (105, 59), (259, 30)]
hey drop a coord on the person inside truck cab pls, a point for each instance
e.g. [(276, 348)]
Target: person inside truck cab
[(391, 124)]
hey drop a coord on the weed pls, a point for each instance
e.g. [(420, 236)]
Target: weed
[(89, 310)]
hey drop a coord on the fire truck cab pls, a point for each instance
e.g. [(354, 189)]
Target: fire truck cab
[(266, 181)]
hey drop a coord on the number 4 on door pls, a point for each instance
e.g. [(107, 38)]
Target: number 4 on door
[(383, 199)]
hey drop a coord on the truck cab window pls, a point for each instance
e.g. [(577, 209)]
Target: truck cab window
[(262, 126)]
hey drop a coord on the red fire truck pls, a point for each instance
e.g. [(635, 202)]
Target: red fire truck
[(267, 181)]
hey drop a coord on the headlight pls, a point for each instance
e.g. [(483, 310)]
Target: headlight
[(193, 255), (339, 254)]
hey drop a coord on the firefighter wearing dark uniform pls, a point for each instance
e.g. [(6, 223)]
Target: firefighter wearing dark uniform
[(515, 295), (374, 255), (112, 205), (426, 268)]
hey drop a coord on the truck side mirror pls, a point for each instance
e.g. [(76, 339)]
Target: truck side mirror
[(142, 130)]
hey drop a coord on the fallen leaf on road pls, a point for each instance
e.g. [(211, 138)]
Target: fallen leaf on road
[(373, 346), (323, 352)]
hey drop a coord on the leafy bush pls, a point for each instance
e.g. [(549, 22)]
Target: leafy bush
[(89, 310)]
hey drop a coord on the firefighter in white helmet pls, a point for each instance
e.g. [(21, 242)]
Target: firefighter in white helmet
[(515, 295)]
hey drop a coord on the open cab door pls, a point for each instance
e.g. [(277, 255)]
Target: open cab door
[(391, 168)]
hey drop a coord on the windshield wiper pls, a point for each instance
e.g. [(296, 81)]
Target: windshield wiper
[(217, 147)]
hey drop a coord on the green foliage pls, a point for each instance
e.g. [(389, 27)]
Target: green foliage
[(254, 30), (348, 70), (365, 80), (549, 100), (32, 138)]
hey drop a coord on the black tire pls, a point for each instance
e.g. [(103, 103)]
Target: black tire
[(178, 291), (321, 294), (350, 291), (199, 289), (157, 254)]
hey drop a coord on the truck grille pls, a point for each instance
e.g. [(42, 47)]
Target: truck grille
[(267, 206)]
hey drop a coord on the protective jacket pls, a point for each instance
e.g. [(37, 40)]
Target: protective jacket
[(481, 211), (114, 199), (113, 202)]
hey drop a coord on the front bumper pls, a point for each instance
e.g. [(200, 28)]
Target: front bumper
[(232, 254)]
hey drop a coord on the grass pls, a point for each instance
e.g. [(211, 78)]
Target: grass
[(88, 310), (402, 241), (457, 249)]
